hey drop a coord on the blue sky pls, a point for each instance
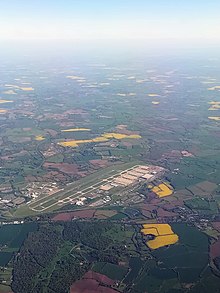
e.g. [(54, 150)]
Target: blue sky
[(180, 20)]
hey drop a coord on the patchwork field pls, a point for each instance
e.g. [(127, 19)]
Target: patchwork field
[(114, 256)]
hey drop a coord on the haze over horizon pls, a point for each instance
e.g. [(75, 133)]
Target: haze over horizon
[(85, 21)]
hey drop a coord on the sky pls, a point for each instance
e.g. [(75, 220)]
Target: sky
[(196, 21)]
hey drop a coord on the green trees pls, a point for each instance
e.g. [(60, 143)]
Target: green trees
[(35, 254), (58, 254)]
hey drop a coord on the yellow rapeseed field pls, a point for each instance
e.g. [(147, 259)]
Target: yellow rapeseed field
[(214, 106), (163, 240), (217, 87), (20, 87), (76, 78), (163, 233), (100, 139), (104, 137), (217, 118), (75, 143), (2, 111), (120, 136), (5, 101), (10, 92), (153, 95), (26, 89), (39, 137), (150, 231), (214, 103), (162, 190), (161, 229), (75, 129)]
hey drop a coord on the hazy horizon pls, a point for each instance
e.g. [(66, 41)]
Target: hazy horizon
[(158, 22)]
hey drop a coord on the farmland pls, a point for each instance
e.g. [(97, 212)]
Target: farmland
[(130, 268), (163, 190), (163, 235), (97, 158), (103, 138)]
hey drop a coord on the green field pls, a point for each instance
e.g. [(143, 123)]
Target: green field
[(12, 236), (112, 271)]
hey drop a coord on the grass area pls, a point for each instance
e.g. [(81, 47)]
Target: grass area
[(112, 271), (14, 132), (189, 257), (9, 250), (212, 233), (55, 159), (118, 217), (135, 263), (202, 206), (148, 283), (5, 288), (119, 233), (5, 276), (12, 236), (5, 257)]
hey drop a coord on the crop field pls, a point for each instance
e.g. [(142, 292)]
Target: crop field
[(202, 206), (103, 138), (68, 135), (136, 267), (162, 190), (75, 129), (93, 282), (5, 101), (163, 235)]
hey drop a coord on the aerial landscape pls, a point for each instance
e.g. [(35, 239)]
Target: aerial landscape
[(109, 169)]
